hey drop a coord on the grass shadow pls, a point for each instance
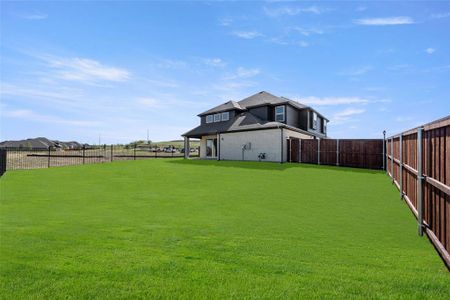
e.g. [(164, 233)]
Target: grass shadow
[(273, 166)]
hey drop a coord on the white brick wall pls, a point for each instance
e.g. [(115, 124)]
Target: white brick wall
[(262, 141)]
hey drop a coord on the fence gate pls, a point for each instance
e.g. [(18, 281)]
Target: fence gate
[(294, 150), (309, 151)]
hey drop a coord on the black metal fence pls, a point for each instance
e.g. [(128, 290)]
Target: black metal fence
[(2, 161), (35, 158)]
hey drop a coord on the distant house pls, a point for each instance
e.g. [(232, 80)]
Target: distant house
[(255, 128), (40, 143)]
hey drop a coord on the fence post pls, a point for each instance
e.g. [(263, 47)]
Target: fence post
[(384, 150), (288, 144), (392, 159), (419, 181), (299, 150), (112, 152), (318, 151), (48, 157), (400, 158), (84, 152), (134, 152), (337, 152)]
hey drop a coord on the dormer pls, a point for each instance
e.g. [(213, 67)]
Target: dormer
[(221, 113)]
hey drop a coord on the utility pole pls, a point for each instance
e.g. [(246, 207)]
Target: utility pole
[(148, 142), (99, 140)]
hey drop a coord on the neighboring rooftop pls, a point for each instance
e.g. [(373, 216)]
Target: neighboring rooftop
[(39, 143)]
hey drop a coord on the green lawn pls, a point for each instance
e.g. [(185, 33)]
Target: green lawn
[(205, 229)]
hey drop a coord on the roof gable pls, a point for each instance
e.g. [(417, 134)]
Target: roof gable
[(223, 107), (261, 98)]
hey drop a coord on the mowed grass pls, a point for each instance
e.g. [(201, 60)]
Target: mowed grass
[(204, 229)]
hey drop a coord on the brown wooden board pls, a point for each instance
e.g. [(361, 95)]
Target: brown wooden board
[(436, 171)]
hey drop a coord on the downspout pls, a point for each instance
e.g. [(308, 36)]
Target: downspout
[(281, 131), (218, 146)]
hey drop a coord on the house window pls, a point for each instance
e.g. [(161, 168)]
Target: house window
[(225, 116), (209, 118), (314, 120), (279, 113), (216, 118), (324, 126)]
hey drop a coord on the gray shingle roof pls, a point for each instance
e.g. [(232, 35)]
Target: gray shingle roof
[(223, 107), (260, 99), (243, 121)]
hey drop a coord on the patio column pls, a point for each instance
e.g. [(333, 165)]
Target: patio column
[(187, 148)]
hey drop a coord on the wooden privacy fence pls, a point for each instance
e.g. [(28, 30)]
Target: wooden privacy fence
[(358, 153), (418, 160)]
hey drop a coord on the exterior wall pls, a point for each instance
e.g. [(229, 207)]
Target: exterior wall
[(262, 141), (261, 112), (304, 119), (292, 116)]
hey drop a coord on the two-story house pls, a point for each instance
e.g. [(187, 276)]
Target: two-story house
[(255, 128)]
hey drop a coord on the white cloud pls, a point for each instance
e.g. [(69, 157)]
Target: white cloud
[(292, 11), (247, 34), (59, 93), (361, 8), (215, 62), (357, 71), (345, 115), (242, 72), (29, 115), (440, 15), (430, 50), (403, 119), (171, 64), (302, 44), (308, 31), (281, 41), (33, 16), (85, 70), (225, 21), (245, 73), (333, 100), (384, 21), (150, 102)]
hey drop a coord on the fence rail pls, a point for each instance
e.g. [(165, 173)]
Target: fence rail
[(418, 161), (29, 158), (358, 153)]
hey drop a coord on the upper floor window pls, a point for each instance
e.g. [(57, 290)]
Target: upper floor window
[(280, 113), (324, 126), (225, 116), (209, 118), (216, 118), (314, 120)]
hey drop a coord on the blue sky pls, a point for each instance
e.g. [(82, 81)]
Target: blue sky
[(77, 70)]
